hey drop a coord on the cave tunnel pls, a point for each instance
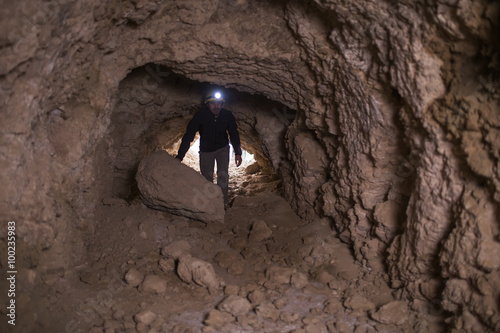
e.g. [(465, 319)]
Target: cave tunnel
[(154, 106), (373, 206)]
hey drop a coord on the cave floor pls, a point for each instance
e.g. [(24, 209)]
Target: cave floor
[(296, 276)]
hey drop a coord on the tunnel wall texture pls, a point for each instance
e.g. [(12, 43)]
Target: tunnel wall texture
[(396, 139)]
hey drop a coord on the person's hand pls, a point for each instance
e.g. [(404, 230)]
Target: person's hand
[(237, 160)]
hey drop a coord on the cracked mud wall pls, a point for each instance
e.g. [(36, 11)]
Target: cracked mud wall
[(396, 140)]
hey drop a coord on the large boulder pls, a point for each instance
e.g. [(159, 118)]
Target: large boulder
[(168, 185)]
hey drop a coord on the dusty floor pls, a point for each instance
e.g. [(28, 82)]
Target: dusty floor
[(276, 274)]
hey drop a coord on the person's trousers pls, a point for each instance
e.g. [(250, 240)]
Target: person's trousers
[(207, 163)]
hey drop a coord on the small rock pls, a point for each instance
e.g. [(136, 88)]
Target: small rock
[(235, 305), (140, 327), (338, 285), (118, 314), (157, 323), (267, 310), (90, 277), (359, 302), (342, 327), (315, 328), (280, 303), (218, 319), (232, 260), (280, 275), (146, 230), (245, 290), (128, 323), (253, 250), (236, 268), (299, 280), (333, 306), (392, 313), (231, 290), (176, 249), (257, 296), (367, 329), (225, 258), (198, 271), (316, 311), (134, 277), (167, 265), (288, 317), (260, 231), (145, 317), (154, 284), (238, 243), (323, 276), (151, 257), (250, 320)]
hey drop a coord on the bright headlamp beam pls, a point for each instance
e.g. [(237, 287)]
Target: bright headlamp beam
[(218, 95)]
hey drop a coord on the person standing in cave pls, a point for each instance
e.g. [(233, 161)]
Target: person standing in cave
[(214, 123)]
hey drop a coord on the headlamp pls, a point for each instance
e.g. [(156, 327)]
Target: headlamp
[(212, 97)]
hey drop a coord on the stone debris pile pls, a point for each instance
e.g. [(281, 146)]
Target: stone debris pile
[(256, 274)]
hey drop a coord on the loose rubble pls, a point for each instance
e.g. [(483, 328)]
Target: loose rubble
[(197, 278)]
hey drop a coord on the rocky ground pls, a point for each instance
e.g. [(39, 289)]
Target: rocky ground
[(262, 270)]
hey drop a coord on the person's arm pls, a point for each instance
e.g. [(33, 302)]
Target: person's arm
[(192, 128), (234, 136)]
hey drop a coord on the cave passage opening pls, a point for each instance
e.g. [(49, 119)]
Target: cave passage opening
[(154, 106)]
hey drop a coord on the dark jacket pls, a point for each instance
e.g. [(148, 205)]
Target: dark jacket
[(213, 132)]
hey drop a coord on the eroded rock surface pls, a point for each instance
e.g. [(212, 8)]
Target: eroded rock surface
[(380, 118)]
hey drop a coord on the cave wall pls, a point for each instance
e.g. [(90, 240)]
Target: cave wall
[(396, 139)]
